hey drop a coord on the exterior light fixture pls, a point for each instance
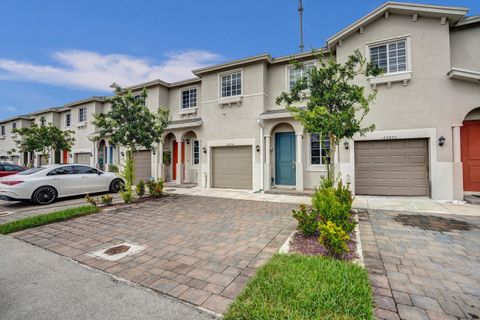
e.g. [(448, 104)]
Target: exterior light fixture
[(257, 147), (204, 150), (122, 154), (346, 144), (187, 141), (70, 155), (441, 141), (91, 155)]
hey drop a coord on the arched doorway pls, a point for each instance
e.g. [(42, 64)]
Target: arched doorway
[(190, 157), (168, 163), (101, 154), (470, 145)]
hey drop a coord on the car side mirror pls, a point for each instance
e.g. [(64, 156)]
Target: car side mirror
[(99, 173)]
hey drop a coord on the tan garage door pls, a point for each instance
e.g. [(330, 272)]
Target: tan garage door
[(82, 158), (392, 167), (143, 165), (232, 167)]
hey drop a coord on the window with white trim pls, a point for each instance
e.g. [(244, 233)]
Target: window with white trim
[(2, 130), (319, 153), (68, 120), (82, 114), (231, 84), (196, 151), (189, 98), (14, 126), (391, 57), (42, 121), (295, 74)]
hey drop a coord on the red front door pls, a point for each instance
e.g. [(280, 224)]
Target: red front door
[(175, 158), (470, 136), (65, 156)]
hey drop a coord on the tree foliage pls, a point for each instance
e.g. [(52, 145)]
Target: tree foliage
[(335, 105), (44, 139), (131, 124)]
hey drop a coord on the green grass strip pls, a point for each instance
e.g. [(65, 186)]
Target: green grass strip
[(300, 287), (43, 219)]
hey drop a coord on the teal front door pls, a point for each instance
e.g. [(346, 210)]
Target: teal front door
[(285, 158)]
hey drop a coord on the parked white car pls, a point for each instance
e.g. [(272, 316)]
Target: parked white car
[(43, 185)]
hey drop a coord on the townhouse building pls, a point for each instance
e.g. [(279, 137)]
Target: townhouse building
[(226, 130)]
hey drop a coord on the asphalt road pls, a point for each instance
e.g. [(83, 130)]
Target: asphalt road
[(39, 284)]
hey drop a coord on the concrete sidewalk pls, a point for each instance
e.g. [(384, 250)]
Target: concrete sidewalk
[(38, 284), (407, 204)]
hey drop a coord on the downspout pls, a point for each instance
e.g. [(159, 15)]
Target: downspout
[(260, 124)]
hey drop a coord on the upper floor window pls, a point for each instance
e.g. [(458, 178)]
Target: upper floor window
[(319, 153), (14, 126), (2, 130), (42, 121), (196, 152), (391, 57), (295, 74), (82, 114), (68, 120), (231, 84), (189, 98)]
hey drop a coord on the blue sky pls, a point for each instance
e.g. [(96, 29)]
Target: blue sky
[(55, 52)]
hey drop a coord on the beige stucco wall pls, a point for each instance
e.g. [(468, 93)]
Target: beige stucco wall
[(465, 47)]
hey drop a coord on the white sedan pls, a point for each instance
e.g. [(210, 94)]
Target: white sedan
[(45, 184)]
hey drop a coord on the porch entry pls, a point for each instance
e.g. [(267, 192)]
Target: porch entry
[(470, 144), (285, 158), (175, 159)]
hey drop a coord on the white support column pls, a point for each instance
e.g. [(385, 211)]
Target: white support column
[(262, 168), (268, 160), (160, 170), (457, 163), (107, 156), (29, 159), (299, 163), (179, 163), (457, 155), (93, 158)]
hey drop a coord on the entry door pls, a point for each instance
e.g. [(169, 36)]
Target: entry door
[(470, 136), (285, 158), (175, 159)]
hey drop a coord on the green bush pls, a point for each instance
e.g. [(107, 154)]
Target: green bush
[(140, 188), (333, 238), (155, 187), (344, 194), (129, 170), (113, 168), (106, 200), (93, 201), (127, 196), (307, 220)]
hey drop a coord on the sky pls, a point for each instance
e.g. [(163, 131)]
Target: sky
[(55, 52)]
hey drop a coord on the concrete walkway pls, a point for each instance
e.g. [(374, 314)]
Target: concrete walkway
[(38, 284), (408, 204)]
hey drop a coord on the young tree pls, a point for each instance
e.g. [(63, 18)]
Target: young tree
[(335, 105), (132, 125), (44, 139)]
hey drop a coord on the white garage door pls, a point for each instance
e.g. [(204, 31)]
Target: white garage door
[(82, 158), (143, 165), (392, 167), (232, 167)]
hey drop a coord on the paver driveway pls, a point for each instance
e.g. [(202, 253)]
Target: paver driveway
[(198, 249), (422, 266)]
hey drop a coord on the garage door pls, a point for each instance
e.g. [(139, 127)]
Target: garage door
[(143, 165), (82, 158), (232, 167), (392, 167)]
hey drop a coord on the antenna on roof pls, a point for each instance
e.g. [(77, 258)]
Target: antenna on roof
[(300, 12)]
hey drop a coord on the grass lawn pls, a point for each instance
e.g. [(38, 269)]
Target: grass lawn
[(47, 218), (301, 287)]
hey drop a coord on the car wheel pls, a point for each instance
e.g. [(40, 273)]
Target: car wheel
[(116, 186), (44, 195)]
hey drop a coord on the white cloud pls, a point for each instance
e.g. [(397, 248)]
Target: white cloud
[(91, 70), (8, 109)]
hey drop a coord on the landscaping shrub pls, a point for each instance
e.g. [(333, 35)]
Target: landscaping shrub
[(127, 196), (344, 194), (155, 187), (93, 201), (307, 220), (333, 238), (113, 168), (140, 188), (106, 200)]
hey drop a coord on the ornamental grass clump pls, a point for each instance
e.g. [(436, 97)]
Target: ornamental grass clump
[(155, 187), (140, 188)]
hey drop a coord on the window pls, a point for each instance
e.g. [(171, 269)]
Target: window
[(295, 74), (82, 114), (319, 152), (68, 120), (61, 171), (196, 152), (14, 126), (2, 130), (189, 98), (11, 168), (85, 170), (390, 57), (231, 84), (31, 171), (42, 121)]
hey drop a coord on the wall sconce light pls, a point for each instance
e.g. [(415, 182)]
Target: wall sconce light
[(204, 150), (122, 154), (70, 155), (187, 141), (91, 155), (257, 147), (441, 141), (346, 144)]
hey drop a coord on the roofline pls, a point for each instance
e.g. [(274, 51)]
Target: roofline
[(458, 12), (468, 20), (14, 118), (261, 57)]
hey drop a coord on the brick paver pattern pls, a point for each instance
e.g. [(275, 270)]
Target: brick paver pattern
[(198, 249), (421, 274)]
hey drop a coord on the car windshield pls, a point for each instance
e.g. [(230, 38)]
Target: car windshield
[(31, 171)]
